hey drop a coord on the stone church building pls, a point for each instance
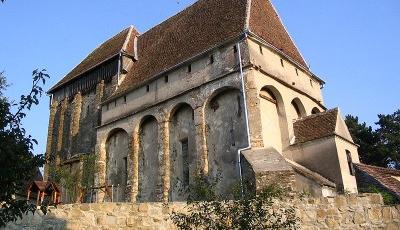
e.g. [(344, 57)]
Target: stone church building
[(220, 89)]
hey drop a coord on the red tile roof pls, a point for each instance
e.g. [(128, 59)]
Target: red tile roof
[(265, 22), (385, 176), (316, 126), (200, 27)]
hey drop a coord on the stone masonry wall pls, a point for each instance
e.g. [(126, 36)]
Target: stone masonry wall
[(342, 212)]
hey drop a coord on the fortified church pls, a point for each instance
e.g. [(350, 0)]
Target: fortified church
[(219, 89)]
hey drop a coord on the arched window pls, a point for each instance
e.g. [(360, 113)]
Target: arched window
[(315, 110)]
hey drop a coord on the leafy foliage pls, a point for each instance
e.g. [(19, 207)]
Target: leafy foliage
[(19, 164), (388, 198), (207, 211), (380, 147), (77, 183)]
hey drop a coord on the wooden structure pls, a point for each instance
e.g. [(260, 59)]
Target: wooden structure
[(43, 189)]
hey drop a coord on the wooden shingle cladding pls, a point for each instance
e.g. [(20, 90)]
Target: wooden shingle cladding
[(101, 55)]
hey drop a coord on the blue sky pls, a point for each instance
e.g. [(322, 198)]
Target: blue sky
[(353, 45)]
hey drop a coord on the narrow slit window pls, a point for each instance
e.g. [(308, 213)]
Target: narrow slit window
[(189, 68), (282, 64), (297, 72), (311, 83), (166, 79), (126, 167), (87, 111), (108, 106), (125, 99), (211, 59), (147, 88), (261, 49), (350, 163), (234, 49), (185, 161)]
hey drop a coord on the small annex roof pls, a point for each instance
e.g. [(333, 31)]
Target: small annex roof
[(123, 41), (199, 28), (43, 185), (388, 178), (321, 125), (311, 174)]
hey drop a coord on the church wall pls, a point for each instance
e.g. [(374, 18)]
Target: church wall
[(226, 134), (179, 81), (270, 61), (164, 112), (259, 80)]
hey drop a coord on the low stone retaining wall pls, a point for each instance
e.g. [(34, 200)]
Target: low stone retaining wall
[(342, 212)]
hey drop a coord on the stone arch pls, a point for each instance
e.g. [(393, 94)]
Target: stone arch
[(149, 161), (225, 134), (182, 144), (117, 153), (315, 110), (297, 109), (274, 119)]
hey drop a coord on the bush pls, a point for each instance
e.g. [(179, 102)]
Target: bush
[(206, 210)]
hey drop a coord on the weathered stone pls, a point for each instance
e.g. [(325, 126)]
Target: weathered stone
[(111, 220), (359, 218), (375, 198), (375, 214), (332, 223), (386, 214)]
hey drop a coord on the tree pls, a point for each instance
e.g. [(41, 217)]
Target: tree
[(389, 138), (367, 139), (380, 147), (18, 162)]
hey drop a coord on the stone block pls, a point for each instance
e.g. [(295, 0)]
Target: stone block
[(332, 223), (375, 199), (386, 214), (340, 201), (359, 218), (85, 207), (111, 220), (393, 226), (121, 221), (375, 214)]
